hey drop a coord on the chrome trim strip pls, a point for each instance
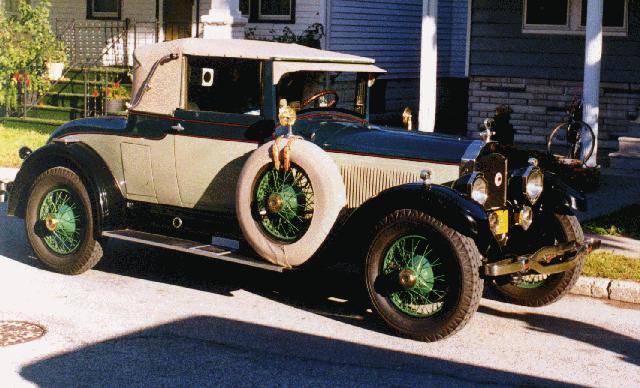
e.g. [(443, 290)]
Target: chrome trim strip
[(473, 150), (470, 155)]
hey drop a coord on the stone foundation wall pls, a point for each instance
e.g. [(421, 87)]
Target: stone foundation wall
[(539, 105)]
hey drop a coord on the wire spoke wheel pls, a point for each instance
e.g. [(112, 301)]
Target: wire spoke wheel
[(529, 281), (421, 276), (62, 214), (285, 203)]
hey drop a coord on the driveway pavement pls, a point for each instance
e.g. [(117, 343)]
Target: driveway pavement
[(148, 317)]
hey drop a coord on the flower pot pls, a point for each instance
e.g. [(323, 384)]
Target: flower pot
[(54, 70), (116, 106)]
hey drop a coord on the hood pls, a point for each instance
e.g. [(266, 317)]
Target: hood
[(352, 135)]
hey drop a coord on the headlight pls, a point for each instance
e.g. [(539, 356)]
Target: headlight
[(480, 190), (534, 185), (525, 217)]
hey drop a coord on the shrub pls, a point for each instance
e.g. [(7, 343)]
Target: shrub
[(26, 44)]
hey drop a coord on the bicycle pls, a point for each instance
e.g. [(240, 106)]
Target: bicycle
[(575, 130)]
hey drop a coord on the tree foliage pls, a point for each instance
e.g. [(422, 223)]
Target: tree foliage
[(27, 43)]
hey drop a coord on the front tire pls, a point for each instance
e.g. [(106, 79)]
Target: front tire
[(59, 222), (540, 290), (422, 276)]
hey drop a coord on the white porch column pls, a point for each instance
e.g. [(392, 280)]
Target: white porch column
[(592, 64), (428, 66), (224, 20)]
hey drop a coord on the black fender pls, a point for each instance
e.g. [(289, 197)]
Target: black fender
[(561, 198), (106, 197), (441, 202)]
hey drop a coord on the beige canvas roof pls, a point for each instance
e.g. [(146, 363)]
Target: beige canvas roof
[(241, 48), (163, 94)]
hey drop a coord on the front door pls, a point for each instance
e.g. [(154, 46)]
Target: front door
[(148, 160), (177, 19), (222, 126)]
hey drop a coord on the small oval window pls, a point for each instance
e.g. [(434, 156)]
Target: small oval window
[(207, 76)]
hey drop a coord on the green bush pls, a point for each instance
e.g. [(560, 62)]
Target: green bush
[(26, 44)]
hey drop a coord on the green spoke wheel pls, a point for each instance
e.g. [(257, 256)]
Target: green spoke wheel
[(533, 289), (422, 276), (422, 290), (62, 214), (530, 281), (285, 203)]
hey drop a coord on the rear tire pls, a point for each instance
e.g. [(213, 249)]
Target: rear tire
[(59, 222), (547, 290), (447, 287)]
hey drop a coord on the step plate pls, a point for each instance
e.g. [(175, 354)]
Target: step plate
[(192, 247)]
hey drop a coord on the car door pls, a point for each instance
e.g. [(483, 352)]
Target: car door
[(148, 160), (210, 153), (222, 125)]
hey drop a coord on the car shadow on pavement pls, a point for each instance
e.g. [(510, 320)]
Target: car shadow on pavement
[(627, 347), (328, 292), (212, 351), (338, 295)]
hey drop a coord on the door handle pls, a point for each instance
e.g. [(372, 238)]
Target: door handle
[(178, 127)]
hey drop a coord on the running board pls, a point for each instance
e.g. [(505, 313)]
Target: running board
[(192, 247)]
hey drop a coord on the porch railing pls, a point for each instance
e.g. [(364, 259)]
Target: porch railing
[(90, 45), (86, 40)]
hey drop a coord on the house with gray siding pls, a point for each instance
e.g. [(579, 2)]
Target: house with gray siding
[(530, 55), (106, 32), (390, 32)]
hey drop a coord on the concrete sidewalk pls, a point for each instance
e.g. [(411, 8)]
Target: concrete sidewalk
[(8, 174), (615, 193), (619, 245)]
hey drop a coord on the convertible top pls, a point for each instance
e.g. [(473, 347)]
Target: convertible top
[(242, 48), (163, 93)]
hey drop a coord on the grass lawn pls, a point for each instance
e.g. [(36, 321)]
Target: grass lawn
[(609, 265), (624, 222), (12, 138)]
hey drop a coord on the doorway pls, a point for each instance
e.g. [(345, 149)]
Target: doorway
[(177, 16)]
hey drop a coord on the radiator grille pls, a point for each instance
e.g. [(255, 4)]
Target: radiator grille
[(363, 183)]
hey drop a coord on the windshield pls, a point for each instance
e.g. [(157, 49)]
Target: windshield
[(324, 90)]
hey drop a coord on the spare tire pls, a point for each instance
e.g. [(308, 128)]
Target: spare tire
[(286, 215)]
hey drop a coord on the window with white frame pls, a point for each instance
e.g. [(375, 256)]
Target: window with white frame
[(103, 9), (274, 9), (269, 11), (569, 16)]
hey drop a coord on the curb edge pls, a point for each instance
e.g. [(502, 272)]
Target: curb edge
[(603, 288)]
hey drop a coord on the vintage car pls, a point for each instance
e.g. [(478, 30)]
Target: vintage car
[(262, 154)]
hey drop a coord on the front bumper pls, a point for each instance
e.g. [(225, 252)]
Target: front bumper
[(542, 261)]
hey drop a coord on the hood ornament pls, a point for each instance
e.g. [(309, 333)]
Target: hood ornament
[(407, 118), (287, 116), (488, 132)]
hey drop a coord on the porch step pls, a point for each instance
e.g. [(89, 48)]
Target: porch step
[(625, 161), (50, 112), (68, 100), (108, 74), (191, 247), (76, 86), (629, 144), (32, 123)]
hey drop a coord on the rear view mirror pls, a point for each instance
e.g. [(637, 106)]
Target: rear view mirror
[(207, 77)]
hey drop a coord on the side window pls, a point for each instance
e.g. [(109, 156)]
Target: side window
[(224, 85), (104, 9)]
